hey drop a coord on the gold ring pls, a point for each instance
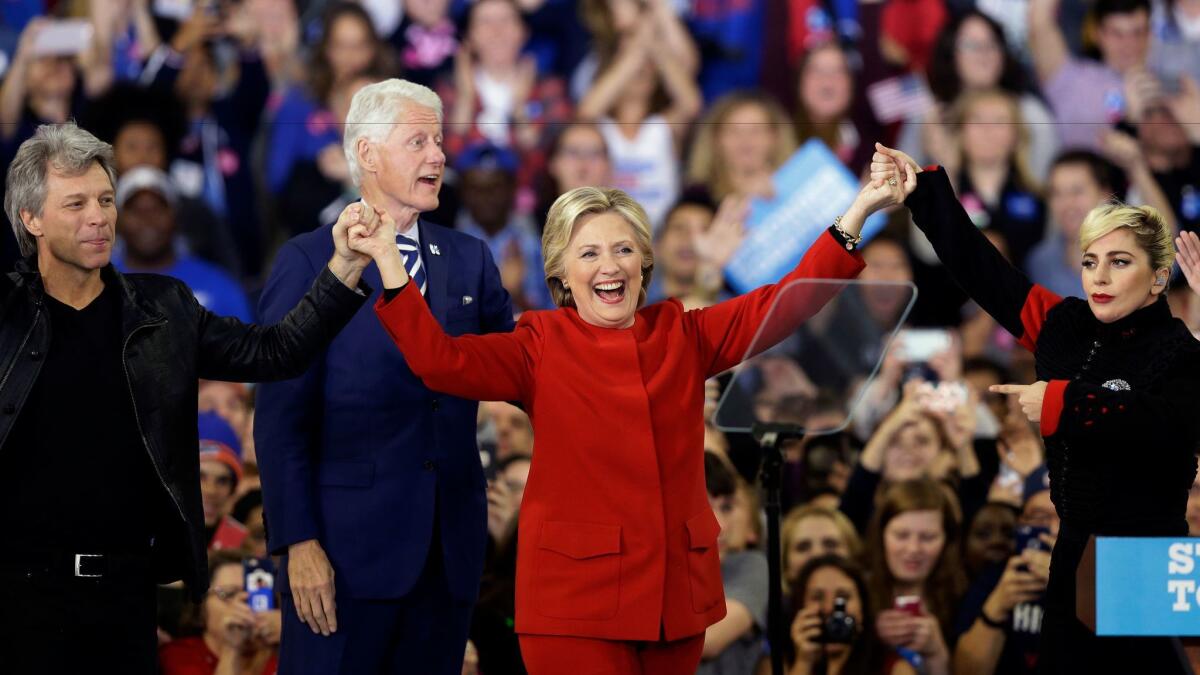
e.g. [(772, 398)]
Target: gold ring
[(892, 181)]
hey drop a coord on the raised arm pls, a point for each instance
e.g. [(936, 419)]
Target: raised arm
[(727, 331), (230, 350), (492, 367), (1001, 289), (1046, 42)]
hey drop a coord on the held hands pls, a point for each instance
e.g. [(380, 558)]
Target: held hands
[(1029, 396), (890, 183)]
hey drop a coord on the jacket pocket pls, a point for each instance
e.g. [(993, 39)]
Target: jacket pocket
[(346, 474), (704, 562), (578, 570)]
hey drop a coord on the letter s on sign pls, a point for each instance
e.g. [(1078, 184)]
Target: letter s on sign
[(1181, 561)]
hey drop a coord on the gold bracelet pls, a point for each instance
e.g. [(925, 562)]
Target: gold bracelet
[(851, 241)]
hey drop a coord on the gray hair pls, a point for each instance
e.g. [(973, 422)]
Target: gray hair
[(66, 149), (374, 111)]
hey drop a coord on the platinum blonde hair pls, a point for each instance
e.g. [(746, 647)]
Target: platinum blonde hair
[(63, 148), (560, 225), (1149, 228), (375, 111)]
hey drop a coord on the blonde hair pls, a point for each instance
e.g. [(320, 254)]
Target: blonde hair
[(704, 166), (968, 100), (560, 225), (799, 514), (1149, 228)]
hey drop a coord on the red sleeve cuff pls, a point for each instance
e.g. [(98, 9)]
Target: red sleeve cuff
[(1052, 406)]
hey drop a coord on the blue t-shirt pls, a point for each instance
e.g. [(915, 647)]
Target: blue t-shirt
[(300, 129), (214, 289), (1046, 267)]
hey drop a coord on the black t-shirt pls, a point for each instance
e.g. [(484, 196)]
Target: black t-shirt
[(1182, 188), (79, 477)]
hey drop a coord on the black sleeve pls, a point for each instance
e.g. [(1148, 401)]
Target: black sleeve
[(1001, 289), (858, 501)]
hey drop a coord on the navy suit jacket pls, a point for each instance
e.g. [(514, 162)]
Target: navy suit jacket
[(358, 453)]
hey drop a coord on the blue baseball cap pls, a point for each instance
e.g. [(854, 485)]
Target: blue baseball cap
[(487, 156)]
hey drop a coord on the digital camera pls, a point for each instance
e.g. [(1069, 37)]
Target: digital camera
[(839, 627)]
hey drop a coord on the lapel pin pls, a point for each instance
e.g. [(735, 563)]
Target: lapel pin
[(467, 300), (434, 250)]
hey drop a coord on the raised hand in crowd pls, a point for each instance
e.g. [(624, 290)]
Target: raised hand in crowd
[(716, 245), (1188, 245), (1185, 108), (1142, 89), (200, 27)]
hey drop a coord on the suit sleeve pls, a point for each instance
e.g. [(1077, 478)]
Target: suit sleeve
[(727, 330), (491, 367), (287, 421), (1084, 411), (1004, 292)]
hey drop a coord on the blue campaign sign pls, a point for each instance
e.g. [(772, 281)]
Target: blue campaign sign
[(1147, 586), (811, 189)]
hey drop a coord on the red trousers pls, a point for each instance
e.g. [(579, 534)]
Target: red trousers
[(557, 655)]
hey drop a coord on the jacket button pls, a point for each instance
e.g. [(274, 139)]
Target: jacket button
[(35, 355), (435, 404), (429, 465), (10, 409)]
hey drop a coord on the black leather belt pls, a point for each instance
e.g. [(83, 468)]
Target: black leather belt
[(78, 565)]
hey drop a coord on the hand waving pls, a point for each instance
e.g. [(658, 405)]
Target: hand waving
[(1189, 258), (721, 240)]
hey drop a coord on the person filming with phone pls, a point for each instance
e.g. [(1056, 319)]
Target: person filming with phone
[(1116, 374), (1000, 620), (233, 638)]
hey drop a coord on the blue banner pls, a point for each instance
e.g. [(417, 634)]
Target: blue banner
[(811, 189), (1147, 586)]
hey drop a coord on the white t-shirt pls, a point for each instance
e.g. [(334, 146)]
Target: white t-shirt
[(645, 166)]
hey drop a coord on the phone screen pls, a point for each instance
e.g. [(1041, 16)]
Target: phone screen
[(260, 583), (63, 38)]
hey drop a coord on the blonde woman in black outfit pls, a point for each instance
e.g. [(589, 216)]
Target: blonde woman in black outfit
[(1117, 394)]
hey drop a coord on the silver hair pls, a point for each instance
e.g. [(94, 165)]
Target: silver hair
[(374, 111), (66, 149)]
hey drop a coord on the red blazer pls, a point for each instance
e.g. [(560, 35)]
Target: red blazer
[(617, 539)]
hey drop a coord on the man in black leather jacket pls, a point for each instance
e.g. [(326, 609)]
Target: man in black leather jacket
[(98, 387)]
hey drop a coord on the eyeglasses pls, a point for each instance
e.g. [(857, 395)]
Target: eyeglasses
[(977, 46), (225, 592)]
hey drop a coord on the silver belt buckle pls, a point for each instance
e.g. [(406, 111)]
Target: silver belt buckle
[(79, 558)]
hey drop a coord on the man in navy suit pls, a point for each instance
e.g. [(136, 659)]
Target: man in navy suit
[(372, 483)]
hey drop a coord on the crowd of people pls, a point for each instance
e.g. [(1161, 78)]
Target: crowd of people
[(926, 530)]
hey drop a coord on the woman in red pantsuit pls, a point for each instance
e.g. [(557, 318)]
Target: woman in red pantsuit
[(617, 567)]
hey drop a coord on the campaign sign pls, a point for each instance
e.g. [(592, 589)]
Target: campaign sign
[(811, 189), (1147, 586)]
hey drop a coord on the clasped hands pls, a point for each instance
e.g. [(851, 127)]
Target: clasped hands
[(364, 234)]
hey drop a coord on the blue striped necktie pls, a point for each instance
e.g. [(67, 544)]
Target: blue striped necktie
[(412, 261)]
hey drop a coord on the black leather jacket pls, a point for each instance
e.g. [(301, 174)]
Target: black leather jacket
[(169, 343)]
